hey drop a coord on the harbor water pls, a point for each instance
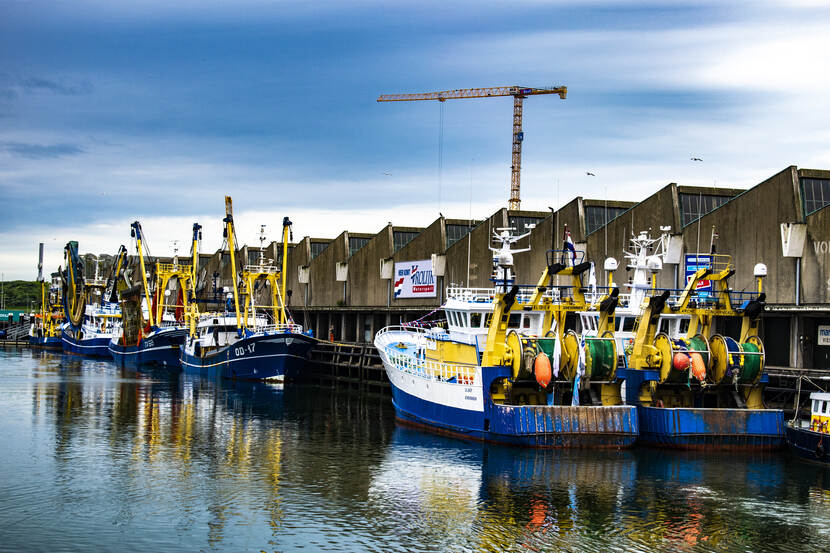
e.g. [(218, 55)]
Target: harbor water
[(97, 458)]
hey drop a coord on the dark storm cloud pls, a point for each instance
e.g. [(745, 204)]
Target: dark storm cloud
[(40, 151), (36, 84)]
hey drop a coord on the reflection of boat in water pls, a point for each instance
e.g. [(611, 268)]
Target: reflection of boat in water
[(699, 388), (257, 341), (808, 442), (508, 370)]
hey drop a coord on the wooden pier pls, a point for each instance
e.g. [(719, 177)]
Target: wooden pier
[(351, 365)]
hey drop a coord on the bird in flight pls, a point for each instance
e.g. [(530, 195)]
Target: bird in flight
[(590, 174), (696, 159)]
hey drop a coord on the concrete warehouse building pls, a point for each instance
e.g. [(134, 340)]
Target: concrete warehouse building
[(347, 283), (346, 286)]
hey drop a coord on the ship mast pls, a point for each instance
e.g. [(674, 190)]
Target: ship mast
[(228, 220)]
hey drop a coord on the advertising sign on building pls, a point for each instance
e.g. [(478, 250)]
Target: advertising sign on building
[(695, 262), (824, 335), (414, 279)]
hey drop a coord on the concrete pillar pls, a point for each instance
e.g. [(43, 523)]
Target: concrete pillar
[(343, 337)]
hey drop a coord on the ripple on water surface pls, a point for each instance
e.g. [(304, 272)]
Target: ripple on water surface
[(98, 458)]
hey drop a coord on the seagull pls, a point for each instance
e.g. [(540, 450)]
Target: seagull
[(696, 159), (590, 174), (387, 174)]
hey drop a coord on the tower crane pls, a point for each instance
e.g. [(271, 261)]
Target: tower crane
[(519, 93)]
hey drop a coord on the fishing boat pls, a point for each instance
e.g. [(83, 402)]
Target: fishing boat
[(696, 388), (506, 369), (645, 258), (44, 332), (807, 442), (90, 313), (152, 329), (258, 340)]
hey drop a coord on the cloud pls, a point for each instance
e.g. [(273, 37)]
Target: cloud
[(40, 151), (36, 84)]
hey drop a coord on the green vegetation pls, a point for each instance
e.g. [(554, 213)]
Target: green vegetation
[(18, 294)]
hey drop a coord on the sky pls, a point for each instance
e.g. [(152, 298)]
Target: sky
[(112, 112)]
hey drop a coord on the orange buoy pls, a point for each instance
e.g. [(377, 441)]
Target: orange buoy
[(681, 361), (698, 367), (541, 369)]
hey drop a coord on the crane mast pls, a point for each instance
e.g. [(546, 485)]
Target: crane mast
[(519, 94)]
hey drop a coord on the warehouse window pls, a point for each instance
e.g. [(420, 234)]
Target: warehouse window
[(456, 233), (695, 206), (402, 238), (317, 248), (521, 224), (816, 194), (357, 242), (595, 216)]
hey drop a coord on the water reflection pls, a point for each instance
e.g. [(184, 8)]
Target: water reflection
[(98, 457)]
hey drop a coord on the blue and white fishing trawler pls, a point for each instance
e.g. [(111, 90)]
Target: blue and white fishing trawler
[(153, 329), (90, 316), (506, 370), (254, 341), (696, 388)]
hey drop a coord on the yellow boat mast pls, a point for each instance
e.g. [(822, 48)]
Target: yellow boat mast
[(228, 220), (137, 234)]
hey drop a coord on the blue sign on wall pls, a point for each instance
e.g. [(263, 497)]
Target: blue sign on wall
[(695, 262)]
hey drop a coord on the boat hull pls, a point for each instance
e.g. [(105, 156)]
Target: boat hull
[(272, 356), (94, 347), (46, 342), (541, 426), (711, 428), (809, 445), (159, 348)]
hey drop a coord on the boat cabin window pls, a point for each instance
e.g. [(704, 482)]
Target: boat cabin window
[(824, 407), (665, 326), (475, 320), (513, 321), (526, 321), (628, 324), (684, 326), (815, 406)]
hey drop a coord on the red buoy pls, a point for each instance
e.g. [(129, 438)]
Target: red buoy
[(541, 369), (681, 361)]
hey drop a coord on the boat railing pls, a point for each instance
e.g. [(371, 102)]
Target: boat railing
[(715, 262), (566, 257), (417, 365), (174, 267), (487, 295), (261, 269), (279, 328)]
